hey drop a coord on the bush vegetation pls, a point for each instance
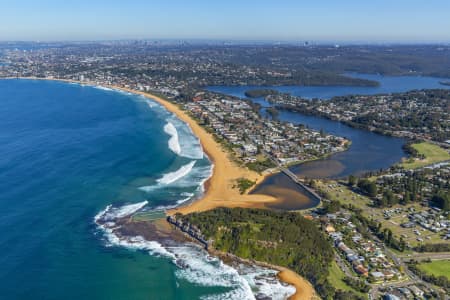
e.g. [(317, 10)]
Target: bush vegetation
[(281, 238)]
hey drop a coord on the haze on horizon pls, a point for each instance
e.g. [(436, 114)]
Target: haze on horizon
[(320, 20)]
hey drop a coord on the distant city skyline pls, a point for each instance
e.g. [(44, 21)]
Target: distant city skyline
[(264, 20)]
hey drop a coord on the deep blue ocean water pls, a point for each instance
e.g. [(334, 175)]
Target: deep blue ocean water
[(66, 152)]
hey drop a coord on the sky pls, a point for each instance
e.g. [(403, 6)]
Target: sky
[(272, 20)]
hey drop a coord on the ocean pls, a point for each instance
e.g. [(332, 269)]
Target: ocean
[(70, 152)]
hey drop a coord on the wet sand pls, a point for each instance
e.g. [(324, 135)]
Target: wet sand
[(290, 196)]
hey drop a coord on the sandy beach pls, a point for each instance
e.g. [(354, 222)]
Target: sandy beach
[(221, 194), (220, 191), (304, 289)]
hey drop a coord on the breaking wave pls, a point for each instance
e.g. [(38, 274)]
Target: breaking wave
[(103, 88), (194, 264), (185, 177), (112, 213), (182, 140), (106, 222), (174, 143), (245, 282), (178, 174), (188, 196), (189, 143), (149, 102)]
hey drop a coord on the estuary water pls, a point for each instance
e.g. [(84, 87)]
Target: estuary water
[(388, 84), (67, 152), (368, 151)]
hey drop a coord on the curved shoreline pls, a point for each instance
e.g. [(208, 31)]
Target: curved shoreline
[(218, 188)]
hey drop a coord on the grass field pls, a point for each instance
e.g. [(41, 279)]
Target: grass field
[(432, 153), (437, 268), (336, 277), (340, 192)]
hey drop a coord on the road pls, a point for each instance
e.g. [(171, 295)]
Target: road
[(419, 256), (344, 267), (400, 261), (294, 177)]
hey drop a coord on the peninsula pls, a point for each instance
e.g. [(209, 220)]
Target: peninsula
[(402, 207), (219, 189)]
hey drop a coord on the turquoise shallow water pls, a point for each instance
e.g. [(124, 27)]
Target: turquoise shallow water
[(66, 152)]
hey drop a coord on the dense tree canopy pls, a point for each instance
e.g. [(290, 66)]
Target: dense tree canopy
[(279, 238)]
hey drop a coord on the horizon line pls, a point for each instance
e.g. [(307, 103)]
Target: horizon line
[(310, 42)]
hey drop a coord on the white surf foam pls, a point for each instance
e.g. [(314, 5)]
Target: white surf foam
[(199, 268), (111, 213), (149, 102), (266, 282), (207, 174), (188, 196), (106, 222), (101, 213), (174, 144), (103, 88), (136, 243), (196, 265), (190, 146), (176, 175), (196, 177)]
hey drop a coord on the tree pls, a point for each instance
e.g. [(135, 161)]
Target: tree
[(406, 198), (368, 187), (441, 200), (352, 180), (390, 197), (372, 189), (332, 207)]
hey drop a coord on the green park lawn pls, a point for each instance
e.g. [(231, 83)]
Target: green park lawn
[(437, 268), (433, 154)]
